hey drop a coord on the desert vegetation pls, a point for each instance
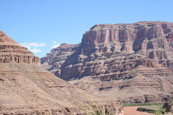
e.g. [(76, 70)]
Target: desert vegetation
[(95, 109), (154, 108)]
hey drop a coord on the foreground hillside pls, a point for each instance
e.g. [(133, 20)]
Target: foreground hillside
[(26, 88), (133, 62)]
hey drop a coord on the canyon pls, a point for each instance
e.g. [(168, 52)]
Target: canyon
[(130, 62), (26, 88)]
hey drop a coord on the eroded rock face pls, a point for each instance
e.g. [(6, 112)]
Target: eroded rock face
[(133, 62), (53, 61), (11, 51), (27, 88)]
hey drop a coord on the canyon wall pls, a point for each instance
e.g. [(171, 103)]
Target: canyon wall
[(133, 62)]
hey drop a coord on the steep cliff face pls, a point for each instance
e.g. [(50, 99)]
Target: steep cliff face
[(54, 60), (27, 88), (130, 61)]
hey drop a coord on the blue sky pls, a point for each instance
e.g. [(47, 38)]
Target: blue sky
[(43, 24)]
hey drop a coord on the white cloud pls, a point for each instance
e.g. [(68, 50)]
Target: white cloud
[(33, 44), (55, 44), (37, 44), (36, 50)]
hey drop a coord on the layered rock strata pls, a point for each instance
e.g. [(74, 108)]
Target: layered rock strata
[(133, 62), (26, 88), (11, 51)]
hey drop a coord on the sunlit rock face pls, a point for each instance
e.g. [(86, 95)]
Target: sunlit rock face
[(133, 62), (11, 51), (26, 88)]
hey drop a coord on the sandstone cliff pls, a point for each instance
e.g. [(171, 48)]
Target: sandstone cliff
[(27, 88), (133, 62)]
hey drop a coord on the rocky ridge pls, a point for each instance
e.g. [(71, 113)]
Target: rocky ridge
[(133, 62), (27, 88), (11, 51)]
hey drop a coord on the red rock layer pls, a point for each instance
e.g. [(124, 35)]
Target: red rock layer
[(111, 54), (11, 51)]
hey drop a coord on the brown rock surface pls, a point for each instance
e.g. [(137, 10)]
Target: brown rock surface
[(11, 51), (27, 88), (133, 62)]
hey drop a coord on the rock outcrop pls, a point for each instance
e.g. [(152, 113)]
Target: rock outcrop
[(26, 88), (133, 62), (11, 51)]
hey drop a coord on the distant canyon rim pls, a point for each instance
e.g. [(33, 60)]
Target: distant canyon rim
[(131, 62)]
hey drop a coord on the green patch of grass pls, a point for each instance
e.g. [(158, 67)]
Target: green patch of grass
[(143, 104), (155, 108), (143, 109)]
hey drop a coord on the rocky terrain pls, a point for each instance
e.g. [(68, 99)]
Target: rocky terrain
[(26, 88), (133, 62)]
